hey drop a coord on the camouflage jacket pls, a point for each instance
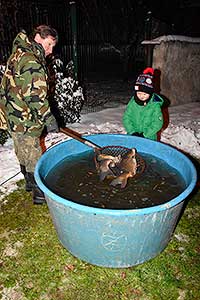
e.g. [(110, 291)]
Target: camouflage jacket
[(23, 91)]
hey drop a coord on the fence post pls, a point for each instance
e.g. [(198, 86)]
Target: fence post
[(148, 36), (74, 37)]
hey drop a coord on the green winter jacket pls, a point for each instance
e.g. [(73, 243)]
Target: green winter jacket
[(23, 90), (144, 119)]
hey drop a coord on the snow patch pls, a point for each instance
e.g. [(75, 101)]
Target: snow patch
[(171, 38)]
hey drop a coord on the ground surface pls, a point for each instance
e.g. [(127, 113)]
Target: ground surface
[(35, 266)]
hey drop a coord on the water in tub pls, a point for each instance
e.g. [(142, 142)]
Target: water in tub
[(76, 179)]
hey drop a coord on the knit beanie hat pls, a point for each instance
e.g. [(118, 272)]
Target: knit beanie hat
[(144, 82)]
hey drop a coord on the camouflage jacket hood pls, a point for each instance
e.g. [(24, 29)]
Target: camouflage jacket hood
[(22, 42), (23, 101)]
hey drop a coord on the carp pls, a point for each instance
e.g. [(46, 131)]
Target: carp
[(115, 159), (105, 168), (127, 167), (121, 179)]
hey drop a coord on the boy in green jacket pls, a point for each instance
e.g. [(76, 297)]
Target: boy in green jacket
[(143, 116)]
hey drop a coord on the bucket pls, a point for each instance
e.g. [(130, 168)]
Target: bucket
[(108, 237)]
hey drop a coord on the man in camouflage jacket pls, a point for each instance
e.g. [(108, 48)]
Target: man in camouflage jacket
[(24, 106)]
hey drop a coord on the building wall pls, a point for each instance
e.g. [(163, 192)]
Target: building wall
[(179, 65)]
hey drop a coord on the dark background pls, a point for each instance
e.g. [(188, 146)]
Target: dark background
[(108, 33)]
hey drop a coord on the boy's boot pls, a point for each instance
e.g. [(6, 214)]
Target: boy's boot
[(28, 183), (37, 195)]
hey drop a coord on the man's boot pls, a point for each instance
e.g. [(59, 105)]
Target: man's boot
[(28, 183), (37, 195)]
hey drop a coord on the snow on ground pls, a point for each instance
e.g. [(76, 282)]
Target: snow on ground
[(183, 132)]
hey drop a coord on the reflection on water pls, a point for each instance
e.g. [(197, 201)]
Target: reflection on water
[(77, 180)]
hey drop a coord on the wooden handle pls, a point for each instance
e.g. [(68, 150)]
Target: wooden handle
[(70, 131), (77, 136)]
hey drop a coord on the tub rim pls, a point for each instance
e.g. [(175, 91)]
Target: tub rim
[(116, 212)]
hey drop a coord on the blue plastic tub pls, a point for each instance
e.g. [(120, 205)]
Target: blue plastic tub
[(107, 237)]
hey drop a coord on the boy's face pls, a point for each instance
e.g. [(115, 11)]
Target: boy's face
[(143, 96)]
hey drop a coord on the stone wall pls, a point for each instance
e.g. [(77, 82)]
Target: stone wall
[(178, 59)]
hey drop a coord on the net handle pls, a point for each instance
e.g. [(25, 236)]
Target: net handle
[(77, 136)]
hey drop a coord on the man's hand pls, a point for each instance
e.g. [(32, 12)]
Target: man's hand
[(52, 127)]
